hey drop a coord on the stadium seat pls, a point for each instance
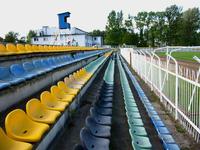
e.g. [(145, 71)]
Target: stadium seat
[(20, 127), (97, 129), (38, 112), (100, 119), (6, 76), (4, 84), (137, 130), (11, 48), (3, 49), (6, 143), (91, 142), (66, 89), (40, 66), (61, 95), (29, 67), (18, 71), (141, 143), (52, 102), (70, 84)]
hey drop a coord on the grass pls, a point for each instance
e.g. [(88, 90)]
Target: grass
[(182, 55)]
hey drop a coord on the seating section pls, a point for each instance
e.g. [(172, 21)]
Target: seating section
[(163, 132), (10, 49), (137, 130), (40, 115), (97, 131), (18, 73)]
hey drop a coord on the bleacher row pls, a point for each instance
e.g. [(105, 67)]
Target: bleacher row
[(26, 128), (97, 131), (137, 130), (163, 133), (10, 49), (17, 73)]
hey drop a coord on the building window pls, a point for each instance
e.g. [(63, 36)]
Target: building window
[(95, 38)]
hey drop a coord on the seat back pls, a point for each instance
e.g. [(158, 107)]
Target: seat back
[(47, 98), (2, 48), (57, 92), (11, 48), (4, 73), (21, 48), (62, 86), (38, 63), (34, 108), (16, 122), (17, 70), (28, 66)]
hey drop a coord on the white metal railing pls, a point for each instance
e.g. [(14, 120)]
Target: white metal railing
[(180, 95)]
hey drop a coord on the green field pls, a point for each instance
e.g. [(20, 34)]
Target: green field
[(182, 55)]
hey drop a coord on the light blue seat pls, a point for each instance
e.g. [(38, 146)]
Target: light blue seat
[(18, 71), (6, 76), (29, 67), (40, 66)]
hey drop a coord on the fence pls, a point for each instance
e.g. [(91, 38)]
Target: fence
[(179, 94)]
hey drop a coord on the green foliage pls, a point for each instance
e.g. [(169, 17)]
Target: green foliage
[(30, 35), (11, 37), (1, 39), (153, 29)]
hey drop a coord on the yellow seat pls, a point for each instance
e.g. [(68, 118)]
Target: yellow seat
[(66, 89), (70, 84), (51, 102), (76, 80), (38, 112), (61, 95), (3, 49), (20, 127), (11, 48), (7, 143)]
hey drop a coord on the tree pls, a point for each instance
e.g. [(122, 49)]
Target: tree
[(173, 16), (30, 35), (190, 26), (11, 37), (1, 39)]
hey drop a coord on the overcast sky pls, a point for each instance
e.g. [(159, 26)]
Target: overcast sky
[(22, 15)]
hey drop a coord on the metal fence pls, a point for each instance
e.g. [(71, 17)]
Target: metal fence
[(179, 94)]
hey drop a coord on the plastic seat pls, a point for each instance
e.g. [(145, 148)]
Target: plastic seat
[(38, 112), (139, 131), (91, 142), (30, 68), (66, 89), (141, 142), (97, 129), (132, 109), (103, 111), (18, 71), (7, 143), (100, 119), (20, 127), (106, 99), (104, 104), (52, 102), (71, 85), (40, 66), (133, 115), (135, 122), (61, 95), (5, 75)]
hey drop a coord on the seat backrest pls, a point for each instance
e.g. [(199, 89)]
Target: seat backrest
[(17, 70), (62, 85), (28, 66), (34, 107), (38, 63), (16, 121), (4, 73), (21, 48), (46, 97), (2, 48), (57, 92), (11, 48)]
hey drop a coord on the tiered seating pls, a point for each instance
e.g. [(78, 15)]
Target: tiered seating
[(40, 115), (97, 131), (163, 132), (18, 73), (137, 131), (10, 49)]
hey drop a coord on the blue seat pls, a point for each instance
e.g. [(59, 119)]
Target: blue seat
[(103, 111), (100, 119), (18, 71), (29, 67), (40, 66), (6, 76), (171, 147), (97, 129), (91, 142)]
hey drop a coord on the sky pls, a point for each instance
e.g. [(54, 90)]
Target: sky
[(22, 15)]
